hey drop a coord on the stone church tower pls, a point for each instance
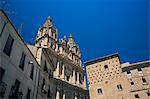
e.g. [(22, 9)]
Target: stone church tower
[(61, 74), (47, 35)]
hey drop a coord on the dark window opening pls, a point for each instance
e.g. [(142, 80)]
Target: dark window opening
[(2, 71), (28, 93), (3, 85), (132, 83), (119, 87), (8, 46), (136, 96), (67, 78), (49, 92), (76, 76), (99, 91), (32, 72), (22, 61), (128, 72), (144, 80), (139, 69), (15, 90), (148, 94), (45, 66), (106, 67), (43, 89)]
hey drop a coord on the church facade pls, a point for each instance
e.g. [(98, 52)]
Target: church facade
[(61, 73)]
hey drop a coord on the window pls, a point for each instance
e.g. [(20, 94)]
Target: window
[(67, 78), (32, 72), (128, 72), (3, 85), (43, 89), (45, 66), (2, 26), (139, 69), (49, 91), (15, 91), (119, 87), (148, 93), (22, 61), (136, 96), (76, 76), (106, 67), (17, 85), (99, 91), (132, 83), (2, 71), (28, 94), (144, 80), (8, 45)]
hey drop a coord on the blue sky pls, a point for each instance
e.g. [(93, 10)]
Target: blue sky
[(100, 27)]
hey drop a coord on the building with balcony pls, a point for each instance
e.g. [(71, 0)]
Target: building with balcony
[(19, 69)]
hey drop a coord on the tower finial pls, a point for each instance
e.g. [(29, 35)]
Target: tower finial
[(70, 36), (48, 22)]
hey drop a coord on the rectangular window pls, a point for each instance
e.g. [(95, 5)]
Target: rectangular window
[(2, 25), (17, 85), (32, 72), (28, 94), (144, 80), (132, 83), (45, 66), (128, 72), (76, 76), (67, 78), (22, 61), (99, 91), (49, 92), (136, 96), (8, 45), (139, 69), (43, 89), (119, 87), (2, 71), (148, 93)]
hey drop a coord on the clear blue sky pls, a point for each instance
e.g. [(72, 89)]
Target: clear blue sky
[(100, 27)]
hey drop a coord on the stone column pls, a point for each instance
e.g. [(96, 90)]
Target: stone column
[(57, 94), (64, 95), (84, 82), (78, 78), (74, 77), (70, 79), (75, 97), (57, 70)]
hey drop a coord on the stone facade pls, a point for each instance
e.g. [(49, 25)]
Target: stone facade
[(61, 73), (109, 79), (18, 68), (138, 76)]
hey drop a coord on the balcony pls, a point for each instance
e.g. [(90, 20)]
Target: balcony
[(15, 93), (3, 86), (43, 90)]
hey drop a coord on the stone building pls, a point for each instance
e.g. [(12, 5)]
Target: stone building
[(138, 76), (61, 73), (18, 68), (109, 79)]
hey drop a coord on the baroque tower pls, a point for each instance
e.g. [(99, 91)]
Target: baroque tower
[(47, 36)]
